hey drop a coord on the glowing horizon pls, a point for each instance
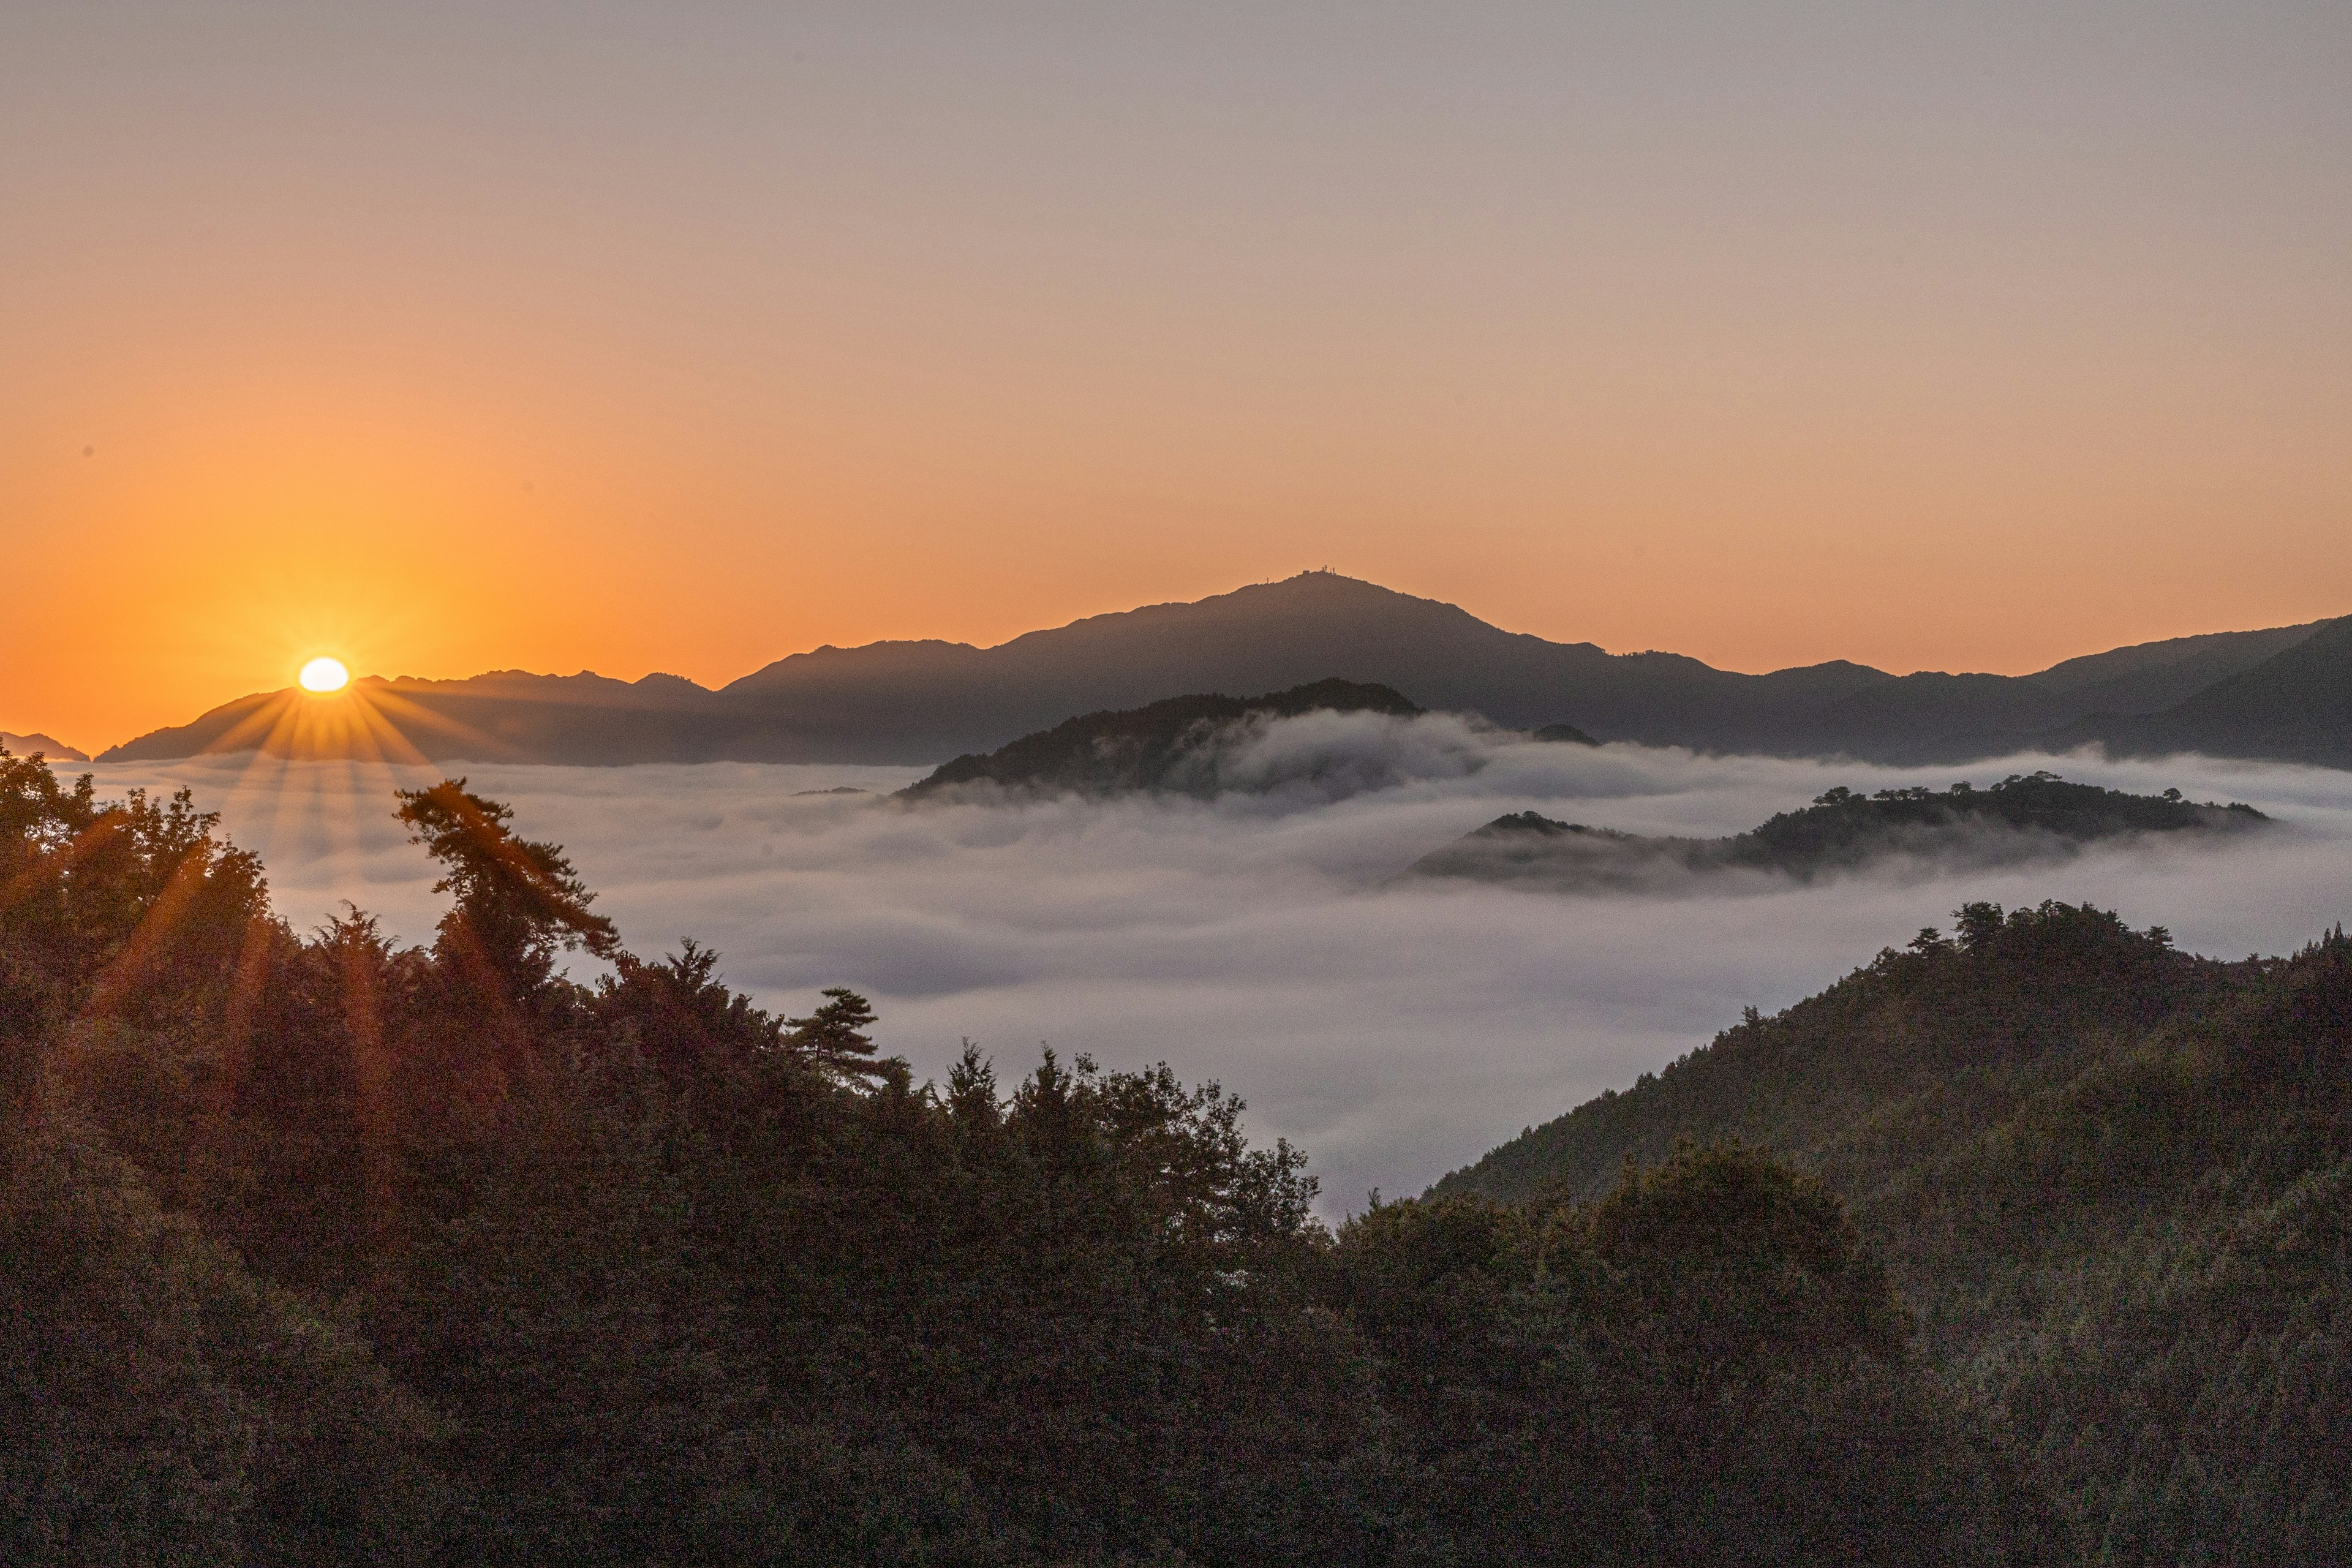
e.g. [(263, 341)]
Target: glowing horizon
[(456, 343)]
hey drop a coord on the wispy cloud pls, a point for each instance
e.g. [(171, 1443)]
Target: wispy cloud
[(1395, 1030)]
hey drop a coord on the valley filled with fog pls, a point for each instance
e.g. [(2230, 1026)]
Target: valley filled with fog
[(1394, 1028)]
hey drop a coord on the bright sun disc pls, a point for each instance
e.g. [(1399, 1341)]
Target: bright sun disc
[(324, 675)]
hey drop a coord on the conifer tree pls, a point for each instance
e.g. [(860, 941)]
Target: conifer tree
[(832, 1038)]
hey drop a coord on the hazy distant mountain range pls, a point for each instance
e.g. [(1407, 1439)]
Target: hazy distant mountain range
[(2285, 693), (55, 750)]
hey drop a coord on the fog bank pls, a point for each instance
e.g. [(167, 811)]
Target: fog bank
[(1393, 1029)]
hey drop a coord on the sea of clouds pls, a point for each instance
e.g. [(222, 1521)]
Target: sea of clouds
[(1394, 1028)]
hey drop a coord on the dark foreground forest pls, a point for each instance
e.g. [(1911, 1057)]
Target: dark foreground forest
[(316, 1250)]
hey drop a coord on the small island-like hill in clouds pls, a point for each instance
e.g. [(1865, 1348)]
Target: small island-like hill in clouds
[(1175, 745), (2018, 819)]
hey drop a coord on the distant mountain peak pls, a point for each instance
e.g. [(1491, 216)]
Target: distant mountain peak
[(915, 701)]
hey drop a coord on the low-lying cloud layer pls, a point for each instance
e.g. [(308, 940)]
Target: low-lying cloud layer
[(1395, 1029)]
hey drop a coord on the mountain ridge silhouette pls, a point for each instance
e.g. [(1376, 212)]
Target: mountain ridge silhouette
[(922, 700)]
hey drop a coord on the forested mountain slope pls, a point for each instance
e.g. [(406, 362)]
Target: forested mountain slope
[(2115, 1181)]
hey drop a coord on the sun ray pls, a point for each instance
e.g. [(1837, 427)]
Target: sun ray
[(60, 860), (245, 992), (161, 918)]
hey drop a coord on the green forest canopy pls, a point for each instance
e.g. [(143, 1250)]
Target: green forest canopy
[(2112, 1180)]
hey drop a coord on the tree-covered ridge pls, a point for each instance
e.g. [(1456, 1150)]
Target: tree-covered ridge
[(2022, 817), (317, 1250), (2115, 1181), (1174, 746), (1702, 1366)]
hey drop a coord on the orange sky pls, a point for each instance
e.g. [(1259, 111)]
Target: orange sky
[(487, 337)]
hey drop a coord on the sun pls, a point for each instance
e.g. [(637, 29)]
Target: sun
[(324, 675)]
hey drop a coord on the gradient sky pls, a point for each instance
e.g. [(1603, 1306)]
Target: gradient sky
[(450, 337)]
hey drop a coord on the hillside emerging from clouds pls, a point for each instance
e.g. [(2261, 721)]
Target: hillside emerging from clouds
[(1182, 745), (2283, 693), (2017, 820)]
